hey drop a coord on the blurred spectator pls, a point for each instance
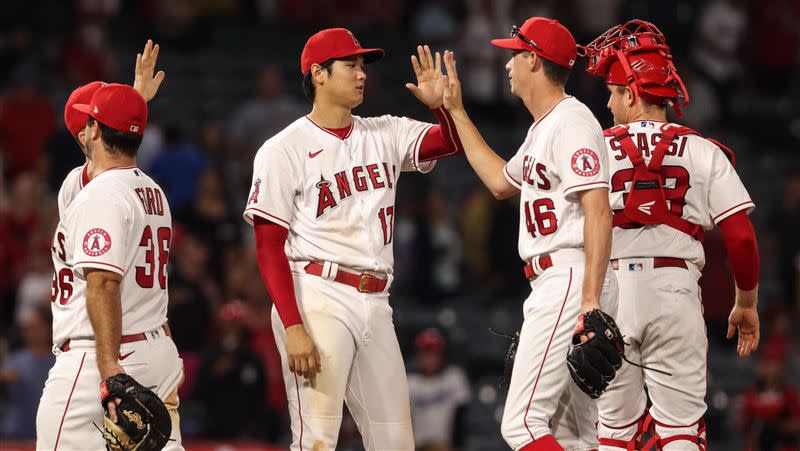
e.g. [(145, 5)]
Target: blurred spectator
[(193, 293), (178, 26), (717, 287), (152, 144), (774, 44), (263, 115), (256, 120), (23, 373), (716, 54), (783, 223), (177, 168), (483, 65), (26, 122), (36, 283), (439, 395), (210, 218), (770, 417), (446, 245), (87, 57), (15, 47), (19, 222), (230, 382), (436, 22)]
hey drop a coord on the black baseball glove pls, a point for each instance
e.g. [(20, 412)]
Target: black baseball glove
[(143, 423), (594, 364), (508, 366)]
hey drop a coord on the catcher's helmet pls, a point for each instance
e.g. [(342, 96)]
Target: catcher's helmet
[(636, 54)]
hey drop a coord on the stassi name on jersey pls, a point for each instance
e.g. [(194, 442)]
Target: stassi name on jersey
[(152, 200), (359, 179), (646, 145)]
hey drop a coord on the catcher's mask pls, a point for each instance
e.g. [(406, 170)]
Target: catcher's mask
[(636, 54)]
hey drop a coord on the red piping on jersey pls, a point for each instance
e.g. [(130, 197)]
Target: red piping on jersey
[(519, 184), (441, 140), (586, 184), (270, 218), (299, 409), (416, 147), (85, 175), (74, 383), (536, 123), (544, 357), (331, 131), (750, 202), (98, 263)]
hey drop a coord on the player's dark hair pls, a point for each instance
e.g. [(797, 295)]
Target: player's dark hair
[(308, 84), (554, 72), (115, 140), (621, 90)]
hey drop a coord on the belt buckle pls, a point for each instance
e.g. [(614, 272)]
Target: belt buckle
[(362, 282)]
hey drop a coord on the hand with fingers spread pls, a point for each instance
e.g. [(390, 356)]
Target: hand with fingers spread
[(144, 82), (744, 319), (451, 85), (302, 353), (429, 77)]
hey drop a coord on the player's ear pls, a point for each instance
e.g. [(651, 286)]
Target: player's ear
[(534, 61), (317, 73), (630, 99)]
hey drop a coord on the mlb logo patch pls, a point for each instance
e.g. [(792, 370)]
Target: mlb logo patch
[(635, 267)]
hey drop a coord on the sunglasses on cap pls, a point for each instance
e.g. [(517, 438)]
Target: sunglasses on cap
[(515, 33)]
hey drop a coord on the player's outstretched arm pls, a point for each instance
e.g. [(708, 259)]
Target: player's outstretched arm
[(486, 163), (144, 82), (429, 77), (597, 244)]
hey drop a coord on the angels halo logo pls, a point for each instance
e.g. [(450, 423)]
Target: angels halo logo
[(585, 163), (96, 242)]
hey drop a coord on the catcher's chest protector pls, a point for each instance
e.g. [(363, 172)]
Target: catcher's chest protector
[(646, 203)]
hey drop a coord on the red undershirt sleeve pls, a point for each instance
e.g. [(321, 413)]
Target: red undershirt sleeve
[(274, 267), (441, 140), (740, 240)]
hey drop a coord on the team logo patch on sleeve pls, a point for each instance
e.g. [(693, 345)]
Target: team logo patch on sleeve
[(96, 242), (585, 163), (256, 190)]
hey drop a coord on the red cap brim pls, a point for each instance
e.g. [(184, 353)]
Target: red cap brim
[(510, 44), (370, 55), (82, 107)]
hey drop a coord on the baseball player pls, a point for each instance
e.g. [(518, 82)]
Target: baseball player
[(323, 207), (564, 235), (668, 184), (110, 252), (144, 82)]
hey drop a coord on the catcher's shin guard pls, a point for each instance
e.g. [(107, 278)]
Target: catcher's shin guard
[(663, 435), (633, 430)]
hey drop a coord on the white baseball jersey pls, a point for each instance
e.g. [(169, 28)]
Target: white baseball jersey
[(701, 186), (336, 196), (562, 155), (74, 182), (121, 222), (434, 400)]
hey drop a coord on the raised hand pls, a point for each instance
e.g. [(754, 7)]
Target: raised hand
[(429, 77), (144, 81), (451, 86)]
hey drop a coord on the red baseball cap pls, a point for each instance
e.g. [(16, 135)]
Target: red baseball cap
[(429, 340), (334, 43), (544, 37), (74, 119), (118, 106)]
